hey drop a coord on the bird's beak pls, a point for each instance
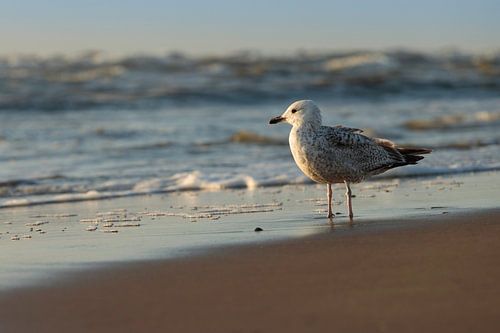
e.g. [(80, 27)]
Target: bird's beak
[(276, 120)]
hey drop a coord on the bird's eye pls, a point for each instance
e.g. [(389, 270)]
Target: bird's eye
[(294, 110)]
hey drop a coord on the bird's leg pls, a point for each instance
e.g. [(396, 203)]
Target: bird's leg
[(348, 195), (329, 193)]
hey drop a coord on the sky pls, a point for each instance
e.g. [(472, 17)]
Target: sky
[(222, 26)]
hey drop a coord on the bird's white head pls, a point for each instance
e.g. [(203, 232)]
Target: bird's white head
[(300, 113)]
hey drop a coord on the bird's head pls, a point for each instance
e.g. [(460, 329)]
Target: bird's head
[(299, 113)]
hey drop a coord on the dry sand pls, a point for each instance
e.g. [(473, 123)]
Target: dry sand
[(442, 276)]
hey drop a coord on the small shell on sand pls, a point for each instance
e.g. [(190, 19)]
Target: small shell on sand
[(26, 236), (91, 228), (112, 231), (15, 238)]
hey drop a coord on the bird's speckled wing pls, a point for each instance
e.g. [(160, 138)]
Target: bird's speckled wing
[(348, 129), (357, 154)]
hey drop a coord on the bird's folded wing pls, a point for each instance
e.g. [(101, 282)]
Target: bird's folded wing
[(346, 136), (349, 129), (369, 154)]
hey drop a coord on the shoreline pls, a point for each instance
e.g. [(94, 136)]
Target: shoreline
[(438, 272), (85, 197), (396, 175), (75, 237)]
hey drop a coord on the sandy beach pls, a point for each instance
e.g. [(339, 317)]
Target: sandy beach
[(439, 275), (421, 256)]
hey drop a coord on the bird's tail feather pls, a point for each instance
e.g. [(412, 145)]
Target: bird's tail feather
[(412, 155), (401, 155)]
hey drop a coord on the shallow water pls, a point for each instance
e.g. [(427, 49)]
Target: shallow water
[(79, 155)]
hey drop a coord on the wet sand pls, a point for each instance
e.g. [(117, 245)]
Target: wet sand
[(440, 274)]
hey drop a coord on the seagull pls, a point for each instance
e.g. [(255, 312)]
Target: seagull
[(331, 155)]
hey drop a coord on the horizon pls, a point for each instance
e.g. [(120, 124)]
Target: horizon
[(120, 28), (107, 55)]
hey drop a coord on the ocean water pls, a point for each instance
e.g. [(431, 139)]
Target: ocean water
[(89, 127)]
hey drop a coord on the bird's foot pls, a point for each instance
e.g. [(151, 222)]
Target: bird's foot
[(330, 215)]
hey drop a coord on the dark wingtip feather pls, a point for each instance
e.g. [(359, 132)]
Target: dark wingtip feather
[(412, 159), (401, 155), (414, 151), (412, 155)]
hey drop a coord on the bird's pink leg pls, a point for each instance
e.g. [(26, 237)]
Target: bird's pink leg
[(348, 195), (329, 193)]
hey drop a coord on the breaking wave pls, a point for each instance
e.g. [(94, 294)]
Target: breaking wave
[(37, 194)]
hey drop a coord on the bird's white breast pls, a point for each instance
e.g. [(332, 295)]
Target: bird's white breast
[(301, 141)]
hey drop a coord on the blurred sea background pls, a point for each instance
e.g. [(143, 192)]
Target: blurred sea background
[(99, 124), (89, 127)]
